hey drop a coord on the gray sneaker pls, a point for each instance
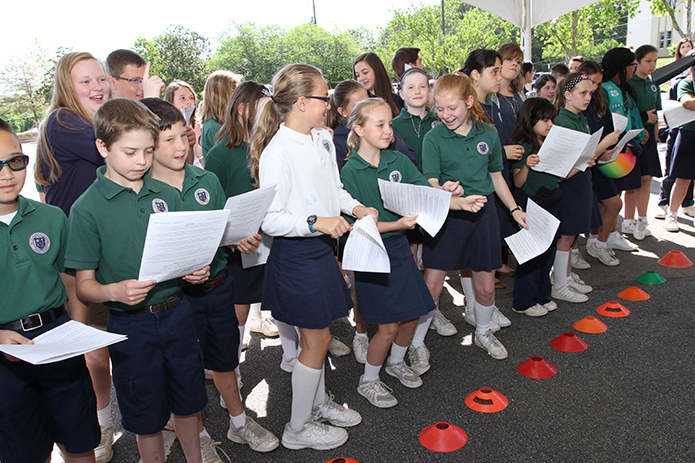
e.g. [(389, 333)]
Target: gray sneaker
[(338, 348), (404, 373), (253, 434), (208, 450), (419, 359), (442, 324), (314, 435), (336, 414), (491, 344), (377, 393), (360, 346)]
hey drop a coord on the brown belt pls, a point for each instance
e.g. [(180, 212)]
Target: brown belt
[(155, 308), (211, 284)]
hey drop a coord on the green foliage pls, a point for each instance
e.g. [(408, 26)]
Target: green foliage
[(590, 31), (671, 8), (178, 53), (17, 112), (49, 73), (465, 29), (258, 52)]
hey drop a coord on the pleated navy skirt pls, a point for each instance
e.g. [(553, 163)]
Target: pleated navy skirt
[(576, 204), (248, 283)]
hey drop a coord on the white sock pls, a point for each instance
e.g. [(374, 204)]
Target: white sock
[(255, 312), (616, 234), (238, 421), (562, 258), (204, 433), (423, 326), (287, 340), (104, 416), (371, 373), (361, 335), (628, 222), (592, 238), (397, 353), (468, 292), (242, 329), (601, 244), (320, 397), (483, 315), (305, 381), (643, 219)]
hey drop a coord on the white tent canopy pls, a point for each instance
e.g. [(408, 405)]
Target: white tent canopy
[(528, 14)]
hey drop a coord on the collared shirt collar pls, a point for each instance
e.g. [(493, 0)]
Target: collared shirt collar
[(359, 163), (473, 132), (191, 178), (110, 189)]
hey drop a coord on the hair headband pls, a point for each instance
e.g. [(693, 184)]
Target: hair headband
[(412, 70), (573, 83)]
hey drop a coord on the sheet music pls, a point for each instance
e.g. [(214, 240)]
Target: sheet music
[(619, 122), (542, 226), (564, 149), (364, 249), (589, 150), (676, 115), (430, 205), (246, 214), (261, 255), (621, 144)]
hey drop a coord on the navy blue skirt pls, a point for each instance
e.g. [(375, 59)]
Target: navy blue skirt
[(596, 219), (303, 285), (248, 283), (576, 204), (604, 187), (466, 241), (649, 163), (683, 159), (632, 181), (397, 296)]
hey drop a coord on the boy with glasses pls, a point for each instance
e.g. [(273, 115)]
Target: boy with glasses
[(129, 76)]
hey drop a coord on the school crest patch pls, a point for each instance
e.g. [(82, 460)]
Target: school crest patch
[(653, 88), (40, 243), (483, 148), (327, 145), (395, 176), (159, 205), (202, 196), (435, 123)]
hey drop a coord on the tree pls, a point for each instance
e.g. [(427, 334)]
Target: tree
[(672, 8), (178, 53), (590, 31)]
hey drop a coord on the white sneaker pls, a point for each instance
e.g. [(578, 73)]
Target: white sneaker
[(618, 242), (360, 346), (377, 393), (567, 293), (499, 318), (491, 344), (208, 450), (689, 211), (442, 324), (641, 230), (469, 316), (314, 435), (104, 451), (578, 284), (577, 260), (672, 222), (533, 311), (419, 359), (550, 306), (603, 254), (288, 365), (629, 226), (338, 348), (337, 415), (257, 437), (404, 373), (662, 212), (266, 326)]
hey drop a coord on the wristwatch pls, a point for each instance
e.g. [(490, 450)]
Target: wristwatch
[(311, 220)]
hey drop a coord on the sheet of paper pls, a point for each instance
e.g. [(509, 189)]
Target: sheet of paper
[(430, 205), (542, 226), (364, 249), (621, 144), (187, 113), (560, 151), (619, 122), (676, 115), (259, 257), (589, 150), (246, 214), (179, 243), (63, 342)]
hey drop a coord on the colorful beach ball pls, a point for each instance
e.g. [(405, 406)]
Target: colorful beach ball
[(619, 168)]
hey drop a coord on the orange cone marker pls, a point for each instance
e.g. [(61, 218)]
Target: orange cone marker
[(675, 259), (613, 309), (342, 460), (569, 342), (486, 400), (591, 325), (633, 293), (443, 437)]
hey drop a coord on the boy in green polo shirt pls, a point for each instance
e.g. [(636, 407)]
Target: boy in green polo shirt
[(158, 370), (40, 404), (212, 301)]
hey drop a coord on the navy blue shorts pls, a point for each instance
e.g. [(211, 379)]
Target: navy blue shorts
[(397, 296), (467, 240), (43, 404), (216, 325), (248, 282), (158, 370), (303, 285)]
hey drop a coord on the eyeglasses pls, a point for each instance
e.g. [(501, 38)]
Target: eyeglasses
[(16, 163), (134, 81), (325, 99)]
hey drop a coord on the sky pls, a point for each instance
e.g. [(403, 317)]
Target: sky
[(100, 28)]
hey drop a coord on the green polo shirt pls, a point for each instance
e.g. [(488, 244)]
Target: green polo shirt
[(108, 226), (203, 192), (32, 259), (569, 120), (535, 179), (360, 180), (685, 87), (231, 165), (648, 94), (448, 156), (413, 130)]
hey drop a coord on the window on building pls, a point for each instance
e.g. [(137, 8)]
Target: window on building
[(662, 37)]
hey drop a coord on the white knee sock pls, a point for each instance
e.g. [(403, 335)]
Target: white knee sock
[(468, 292), (242, 329), (305, 381), (287, 340), (320, 397), (483, 315), (371, 372), (562, 258), (255, 312), (423, 326), (397, 353), (104, 416)]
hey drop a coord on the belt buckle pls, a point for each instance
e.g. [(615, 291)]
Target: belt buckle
[(21, 322)]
